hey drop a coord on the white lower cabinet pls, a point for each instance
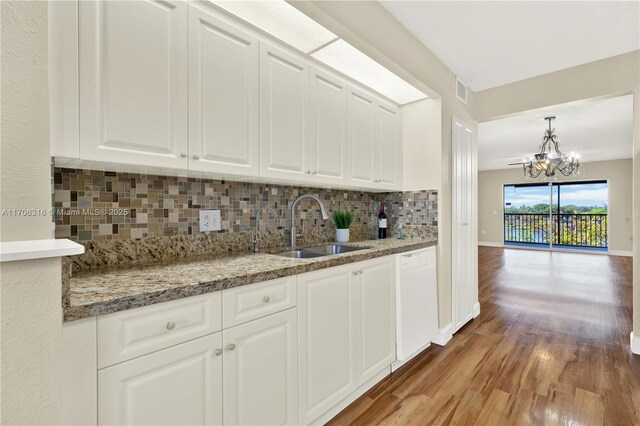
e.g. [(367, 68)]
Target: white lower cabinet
[(347, 332), (327, 356), (275, 364), (260, 371), (178, 385)]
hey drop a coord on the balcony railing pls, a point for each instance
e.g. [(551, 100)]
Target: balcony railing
[(573, 230)]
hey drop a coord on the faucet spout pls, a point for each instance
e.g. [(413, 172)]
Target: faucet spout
[(323, 214)]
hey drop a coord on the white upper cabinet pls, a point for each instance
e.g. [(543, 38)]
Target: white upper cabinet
[(328, 122), (388, 163), (284, 115), (361, 138), (223, 97), (133, 82)]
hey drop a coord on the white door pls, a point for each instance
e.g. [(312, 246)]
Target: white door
[(327, 327), (260, 371), (180, 385), (284, 115), (223, 97), (361, 143), (328, 122), (388, 161), (375, 295), (463, 268), (133, 82)]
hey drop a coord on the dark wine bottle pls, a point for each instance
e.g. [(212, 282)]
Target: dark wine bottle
[(382, 222)]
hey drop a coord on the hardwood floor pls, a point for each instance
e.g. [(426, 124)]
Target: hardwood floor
[(551, 346)]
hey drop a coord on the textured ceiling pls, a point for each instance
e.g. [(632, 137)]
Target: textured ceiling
[(491, 43), (595, 129)]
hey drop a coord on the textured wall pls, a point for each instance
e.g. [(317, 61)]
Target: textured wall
[(156, 206), (30, 308)]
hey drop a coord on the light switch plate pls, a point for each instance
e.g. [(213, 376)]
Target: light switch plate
[(209, 220)]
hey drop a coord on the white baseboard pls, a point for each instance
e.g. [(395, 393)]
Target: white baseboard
[(626, 253), (476, 309), (445, 334), (635, 344), (489, 244)]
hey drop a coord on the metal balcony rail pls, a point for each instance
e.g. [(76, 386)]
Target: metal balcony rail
[(567, 229)]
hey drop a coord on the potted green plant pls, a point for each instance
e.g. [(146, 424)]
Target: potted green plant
[(343, 220)]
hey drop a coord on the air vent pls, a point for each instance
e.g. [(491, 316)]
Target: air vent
[(461, 90)]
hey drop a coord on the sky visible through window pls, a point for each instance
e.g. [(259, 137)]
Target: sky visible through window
[(582, 195)]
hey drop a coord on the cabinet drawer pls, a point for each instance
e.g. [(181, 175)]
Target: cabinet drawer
[(129, 334), (246, 303), (418, 257)]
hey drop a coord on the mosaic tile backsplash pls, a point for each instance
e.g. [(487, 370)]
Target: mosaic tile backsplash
[(100, 205)]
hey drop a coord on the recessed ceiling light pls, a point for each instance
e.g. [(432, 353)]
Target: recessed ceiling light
[(281, 20), (345, 58)]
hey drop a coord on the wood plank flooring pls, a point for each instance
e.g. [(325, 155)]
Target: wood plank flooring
[(551, 346)]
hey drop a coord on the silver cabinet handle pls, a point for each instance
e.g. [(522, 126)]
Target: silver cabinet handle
[(183, 154), (218, 352), (196, 156), (354, 273), (314, 172), (360, 272), (308, 172), (266, 299), (171, 325), (231, 347)]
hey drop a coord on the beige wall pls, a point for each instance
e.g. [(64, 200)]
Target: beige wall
[(618, 172), (30, 291), (608, 77), (370, 28), (421, 134)]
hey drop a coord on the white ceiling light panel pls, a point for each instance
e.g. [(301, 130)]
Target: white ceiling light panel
[(281, 20), (345, 58)]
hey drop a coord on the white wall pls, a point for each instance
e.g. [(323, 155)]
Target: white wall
[(30, 291), (618, 172)]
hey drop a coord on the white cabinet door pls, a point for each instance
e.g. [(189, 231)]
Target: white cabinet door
[(327, 353), (328, 121), (388, 161), (361, 109), (223, 97), (260, 371), (376, 312), (284, 115), (133, 82), (176, 386)]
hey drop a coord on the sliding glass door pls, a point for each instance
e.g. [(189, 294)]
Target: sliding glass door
[(571, 215)]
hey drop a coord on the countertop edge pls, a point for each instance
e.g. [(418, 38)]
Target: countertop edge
[(73, 313)]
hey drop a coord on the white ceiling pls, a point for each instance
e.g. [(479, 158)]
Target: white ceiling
[(596, 130), (491, 43)]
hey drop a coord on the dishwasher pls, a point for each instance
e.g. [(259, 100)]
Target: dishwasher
[(416, 303)]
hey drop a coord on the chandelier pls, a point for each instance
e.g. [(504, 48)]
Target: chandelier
[(550, 159)]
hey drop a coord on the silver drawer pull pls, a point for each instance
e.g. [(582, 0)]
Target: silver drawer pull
[(266, 299), (171, 325), (218, 352), (231, 347)]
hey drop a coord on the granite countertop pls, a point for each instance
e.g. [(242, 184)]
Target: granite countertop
[(93, 293)]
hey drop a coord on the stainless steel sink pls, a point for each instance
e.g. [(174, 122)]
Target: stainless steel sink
[(319, 251), (300, 254), (329, 249)]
